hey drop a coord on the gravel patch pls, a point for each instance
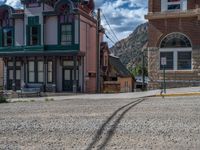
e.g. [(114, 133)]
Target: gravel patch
[(153, 123)]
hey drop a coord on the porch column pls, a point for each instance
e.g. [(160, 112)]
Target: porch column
[(75, 81), (14, 74), (25, 71), (54, 75), (83, 74), (5, 75), (45, 74)]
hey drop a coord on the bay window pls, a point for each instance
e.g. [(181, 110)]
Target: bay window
[(66, 21), (66, 34)]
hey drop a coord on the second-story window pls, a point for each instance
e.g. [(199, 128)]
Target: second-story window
[(7, 37), (33, 31), (174, 5), (6, 24), (34, 39), (66, 26)]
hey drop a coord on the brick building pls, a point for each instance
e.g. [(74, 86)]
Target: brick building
[(49, 44), (174, 33)]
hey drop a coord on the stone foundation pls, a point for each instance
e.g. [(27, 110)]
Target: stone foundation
[(174, 79)]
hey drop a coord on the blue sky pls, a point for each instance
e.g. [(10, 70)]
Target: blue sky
[(122, 15)]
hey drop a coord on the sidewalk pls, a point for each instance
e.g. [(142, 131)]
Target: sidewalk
[(170, 92), (189, 91)]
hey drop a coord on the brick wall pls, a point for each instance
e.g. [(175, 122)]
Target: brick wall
[(161, 27), (158, 29), (155, 5)]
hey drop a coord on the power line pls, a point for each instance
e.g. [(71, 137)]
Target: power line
[(109, 38), (109, 26)]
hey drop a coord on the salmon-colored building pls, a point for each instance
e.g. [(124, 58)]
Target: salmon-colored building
[(49, 44), (115, 77)]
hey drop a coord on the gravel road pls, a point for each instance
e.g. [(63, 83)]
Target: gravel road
[(152, 123)]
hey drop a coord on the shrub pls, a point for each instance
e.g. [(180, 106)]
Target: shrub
[(3, 99)]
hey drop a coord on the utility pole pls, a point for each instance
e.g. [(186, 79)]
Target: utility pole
[(98, 86), (143, 74)]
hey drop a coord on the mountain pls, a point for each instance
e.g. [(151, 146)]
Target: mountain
[(129, 49)]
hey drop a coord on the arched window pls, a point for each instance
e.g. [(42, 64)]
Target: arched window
[(7, 33), (176, 49), (175, 40)]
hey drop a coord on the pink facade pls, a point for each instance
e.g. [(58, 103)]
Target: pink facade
[(57, 33)]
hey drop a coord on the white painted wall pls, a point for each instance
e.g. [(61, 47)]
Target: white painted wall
[(51, 30), (48, 8), (76, 38), (83, 36), (19, 40)]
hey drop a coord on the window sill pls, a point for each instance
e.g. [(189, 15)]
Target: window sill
[(177, 71)]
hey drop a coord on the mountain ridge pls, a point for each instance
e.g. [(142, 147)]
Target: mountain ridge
[(129, 49)]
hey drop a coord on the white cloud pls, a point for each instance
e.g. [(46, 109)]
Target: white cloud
[(123, 16)]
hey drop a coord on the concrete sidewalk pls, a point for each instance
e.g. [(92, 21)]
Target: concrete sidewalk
[(189, 91), (170, 92)]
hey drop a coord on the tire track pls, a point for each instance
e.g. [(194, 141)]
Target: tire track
[(106, 131)]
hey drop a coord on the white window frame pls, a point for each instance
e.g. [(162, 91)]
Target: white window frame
[(175, 58), (165, 4)]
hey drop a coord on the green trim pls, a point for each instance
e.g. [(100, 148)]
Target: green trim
[(2, 37), (34, 48), (10, 49), (62, 48), (33, 20), (45, 48)]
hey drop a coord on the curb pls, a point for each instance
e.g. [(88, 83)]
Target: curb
[(178, 94)]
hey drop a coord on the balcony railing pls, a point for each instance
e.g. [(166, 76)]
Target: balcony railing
[(174, 14)]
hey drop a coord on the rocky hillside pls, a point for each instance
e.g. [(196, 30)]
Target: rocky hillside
[(129, 49)]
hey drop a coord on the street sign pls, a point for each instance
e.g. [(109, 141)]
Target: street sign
[(163, 61)]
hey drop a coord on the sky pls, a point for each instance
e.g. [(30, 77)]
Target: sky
[(123, 16)]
